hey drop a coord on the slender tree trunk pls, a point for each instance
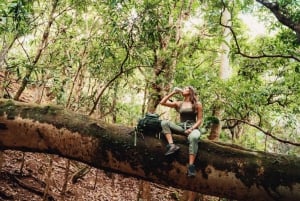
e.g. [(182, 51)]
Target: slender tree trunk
[(225, 73), (225, 68), (48, 179), (77, 81), (4, 76), (121, 71), (6, 48), (3, 54), (144, 186), (144, 193), (114, 103), (42, 46), (216, 128), (66, 180), (96, 179), (162, 68), (144, 100), (22, 163), (73, 85)]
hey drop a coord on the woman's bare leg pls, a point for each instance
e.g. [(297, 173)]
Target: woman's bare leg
[(169, 138), (192, 158)]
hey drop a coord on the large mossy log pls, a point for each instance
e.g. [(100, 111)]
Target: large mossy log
[(222, 170)]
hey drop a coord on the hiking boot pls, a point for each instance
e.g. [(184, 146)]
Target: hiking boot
[(191, 171), (172, 148)]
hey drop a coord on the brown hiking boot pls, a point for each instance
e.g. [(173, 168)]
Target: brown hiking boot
[(172, 148)]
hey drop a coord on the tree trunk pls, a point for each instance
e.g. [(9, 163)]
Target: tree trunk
[(5, 49), (225, 68), (225, 72), (216, 128), (144, 191), (222, 170), (42, 46)]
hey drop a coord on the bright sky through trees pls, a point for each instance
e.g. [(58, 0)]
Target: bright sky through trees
[(255, 27)]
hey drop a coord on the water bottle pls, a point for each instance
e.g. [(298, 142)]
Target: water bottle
[(177, 89)]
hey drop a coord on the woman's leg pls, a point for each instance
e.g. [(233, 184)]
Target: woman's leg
[(193, 139), (168, 128), (192, 158)]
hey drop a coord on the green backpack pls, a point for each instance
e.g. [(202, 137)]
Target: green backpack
[(150, 124)]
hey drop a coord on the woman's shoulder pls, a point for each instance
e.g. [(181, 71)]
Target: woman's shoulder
[(199, 105)]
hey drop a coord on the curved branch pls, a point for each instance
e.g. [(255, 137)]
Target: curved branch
[(257, 56), (265, 132), (281, 16), (120, 73)]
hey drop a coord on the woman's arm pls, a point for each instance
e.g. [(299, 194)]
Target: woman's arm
[(166, 102), (199, 116)]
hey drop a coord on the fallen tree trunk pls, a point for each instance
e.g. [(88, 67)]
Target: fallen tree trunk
[(222, 170)]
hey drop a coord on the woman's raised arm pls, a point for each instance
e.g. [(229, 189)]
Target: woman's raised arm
[(165, 101)]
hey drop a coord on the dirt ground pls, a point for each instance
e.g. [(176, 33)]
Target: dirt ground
[(31, 181)]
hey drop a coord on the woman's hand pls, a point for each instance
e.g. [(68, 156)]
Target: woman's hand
[(188, 131)]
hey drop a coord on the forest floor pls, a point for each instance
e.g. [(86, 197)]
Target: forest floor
[(31, 181)]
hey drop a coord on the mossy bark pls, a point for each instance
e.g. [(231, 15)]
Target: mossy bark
[(222, 170)]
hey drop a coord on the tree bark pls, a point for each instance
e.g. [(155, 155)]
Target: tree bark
[(222, 170)]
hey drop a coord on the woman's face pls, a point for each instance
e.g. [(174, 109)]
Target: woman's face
[(186, 91)]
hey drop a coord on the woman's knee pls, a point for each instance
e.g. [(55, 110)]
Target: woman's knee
[(194, 135), (164, 123)]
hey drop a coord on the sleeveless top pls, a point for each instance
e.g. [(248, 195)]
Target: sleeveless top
[(187, 114)]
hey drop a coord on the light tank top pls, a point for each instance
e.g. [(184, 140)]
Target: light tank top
[(187, 114)]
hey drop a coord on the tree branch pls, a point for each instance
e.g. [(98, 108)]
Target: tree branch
[(257, 56), (283, 18), (265, 132)]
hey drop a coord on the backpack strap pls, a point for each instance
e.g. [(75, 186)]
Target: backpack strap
[(135, 136), (136, 133)]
